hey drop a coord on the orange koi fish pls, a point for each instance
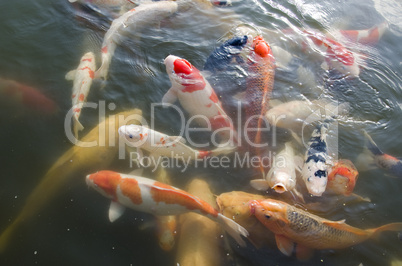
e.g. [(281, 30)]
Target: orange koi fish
[(150, 196), (293, 225), (368, 36), (342, 178), (25, 97)]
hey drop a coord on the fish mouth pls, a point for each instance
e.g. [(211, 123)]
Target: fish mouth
[(279, 188)]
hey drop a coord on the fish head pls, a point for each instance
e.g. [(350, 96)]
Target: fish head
[(105, 182), (342, 177), (271, 213), (181, 72), (135, 135), (281, 182)]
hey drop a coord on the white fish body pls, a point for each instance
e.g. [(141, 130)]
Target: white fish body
[(134, 20), (317, 161), (82, 78), (282, 175), (159, 144), (197, 97)]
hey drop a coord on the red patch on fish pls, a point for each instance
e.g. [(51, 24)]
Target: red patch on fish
[(185, 70), (130, 188), (203, 154), (87, 59), (164, 193), (104, 49), (182, 66), (77, 110), (82, 97), (107, 180), (220, 121), (214, 97)]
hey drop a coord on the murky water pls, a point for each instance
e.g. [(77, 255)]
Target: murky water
[(42, 40)]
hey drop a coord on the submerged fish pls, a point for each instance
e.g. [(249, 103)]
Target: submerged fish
[(293, 225), (82, 78), (385, 161), (342, 178), (70, 166), (150, 196), (198, 98), (198, 242), (260, 82), (367, 36), (315, 168), (134, 20), (282, 175), (159, 144), (24, 98)]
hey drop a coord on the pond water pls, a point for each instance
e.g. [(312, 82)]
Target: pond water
[(43, 40)]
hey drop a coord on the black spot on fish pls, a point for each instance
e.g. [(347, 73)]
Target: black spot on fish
[(316, 158), (320, 173)]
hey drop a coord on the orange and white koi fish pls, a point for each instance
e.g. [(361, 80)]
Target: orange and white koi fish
[(367, 36), (150, 196), (293, 225), (107, 3), (342, 178), (24, 98), (135, 20), (197, 97), (384, 161), (336, 55), (82, 77), (282, 175), (159, 144)]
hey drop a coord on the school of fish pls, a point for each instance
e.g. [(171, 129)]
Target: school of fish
[(301, 172)]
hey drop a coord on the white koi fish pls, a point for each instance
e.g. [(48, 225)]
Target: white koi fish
[(134, 20), (82, 77), (282, 175), (159, 144), (317, 161), (150, 196), (197, 97)]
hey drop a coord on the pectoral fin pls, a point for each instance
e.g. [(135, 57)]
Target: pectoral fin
[(285, 245), (115, 211), (71, 75), (259, 184), (177, 139), (170, 96)]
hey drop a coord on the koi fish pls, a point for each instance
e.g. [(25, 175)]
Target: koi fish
[(293, 225), (25, 98), (82, 78), (221, 2), (337, 56), (136, 19), (315, 168), (159, 144), (260, 82), (367, 36), (223, 55), (204, 251), (282, 175), (197, 97), (342, 178), (384, 161), (74, 162), (103, 2), (150, 196)]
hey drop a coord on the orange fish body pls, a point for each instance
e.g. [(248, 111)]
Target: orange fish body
[(150, 196), (260, 83), (293, 225), (342, 178)]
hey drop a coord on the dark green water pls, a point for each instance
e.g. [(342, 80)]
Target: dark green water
[(42, 40)]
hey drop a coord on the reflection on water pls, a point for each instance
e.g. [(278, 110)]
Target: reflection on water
[(43, 40)]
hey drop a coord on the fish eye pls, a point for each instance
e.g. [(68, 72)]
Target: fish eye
[(267, 216), (130, 136)]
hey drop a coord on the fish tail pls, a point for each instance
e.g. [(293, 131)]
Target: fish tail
[(371, 145), (107, 54), (77, 127), (395, 227), (233, 229)]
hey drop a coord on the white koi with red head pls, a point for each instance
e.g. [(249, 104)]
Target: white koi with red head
[(82, 77), (197, 97), (134, 20), (150, 196)]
